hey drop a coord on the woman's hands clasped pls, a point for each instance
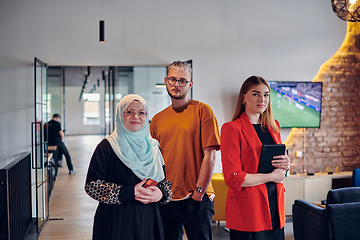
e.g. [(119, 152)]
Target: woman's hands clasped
[(278, 175), (147, 195)]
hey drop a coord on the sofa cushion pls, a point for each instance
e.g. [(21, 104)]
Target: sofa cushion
[(344, 220), (343, 195)]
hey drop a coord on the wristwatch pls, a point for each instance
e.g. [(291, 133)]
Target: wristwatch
[(199, 189)]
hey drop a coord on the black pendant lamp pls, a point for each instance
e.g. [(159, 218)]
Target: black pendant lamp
[(102, 31), (101, 27)]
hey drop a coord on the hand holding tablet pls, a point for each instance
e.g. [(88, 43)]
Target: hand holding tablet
[(267, 154)]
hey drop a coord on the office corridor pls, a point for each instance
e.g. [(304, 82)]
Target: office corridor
[(72, 210), (68, 199)]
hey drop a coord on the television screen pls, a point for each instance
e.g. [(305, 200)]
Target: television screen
[(296, 104)]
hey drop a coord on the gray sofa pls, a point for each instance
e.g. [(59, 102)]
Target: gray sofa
[(340, 219)]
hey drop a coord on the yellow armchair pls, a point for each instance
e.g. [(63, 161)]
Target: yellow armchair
[(221, 190)]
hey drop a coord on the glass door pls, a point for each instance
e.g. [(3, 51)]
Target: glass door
[(109, 105), (39, 145)]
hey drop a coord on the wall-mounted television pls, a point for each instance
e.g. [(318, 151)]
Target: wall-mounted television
[(296, 104)]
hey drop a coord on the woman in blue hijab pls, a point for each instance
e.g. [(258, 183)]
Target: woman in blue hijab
[(119, 176)]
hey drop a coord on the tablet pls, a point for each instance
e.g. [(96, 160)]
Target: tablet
[(267, 154)]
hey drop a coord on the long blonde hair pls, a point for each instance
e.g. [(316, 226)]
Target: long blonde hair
[(266, 117)]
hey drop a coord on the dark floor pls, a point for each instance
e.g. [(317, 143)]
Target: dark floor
[(219, 232)]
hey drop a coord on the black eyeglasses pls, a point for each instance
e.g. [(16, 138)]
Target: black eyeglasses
[(173, 81)]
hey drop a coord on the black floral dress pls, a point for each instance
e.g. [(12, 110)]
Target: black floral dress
[(119, 215)]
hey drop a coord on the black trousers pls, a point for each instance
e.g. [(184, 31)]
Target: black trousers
[(62, 150), (195, 217), (274, 234)]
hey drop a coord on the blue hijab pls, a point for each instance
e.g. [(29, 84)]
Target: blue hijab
[(137, 150)]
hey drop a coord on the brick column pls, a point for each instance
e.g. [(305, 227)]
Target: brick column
[(337, 141)]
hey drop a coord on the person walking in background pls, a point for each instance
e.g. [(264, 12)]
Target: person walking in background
[(188, 134), (126, 176), (255, 201), (55, 136)]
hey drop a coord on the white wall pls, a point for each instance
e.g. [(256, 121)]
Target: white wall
[(16, 109), (74, 110), (227, 40)]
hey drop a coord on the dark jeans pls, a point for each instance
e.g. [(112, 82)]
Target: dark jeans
[(62, 150), (194, 216), (274, 234)]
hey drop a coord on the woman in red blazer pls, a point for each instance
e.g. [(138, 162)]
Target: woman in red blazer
[(255, 201)]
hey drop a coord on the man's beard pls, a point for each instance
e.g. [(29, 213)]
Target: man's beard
[(176, 97)]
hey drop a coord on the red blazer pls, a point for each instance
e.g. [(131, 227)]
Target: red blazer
[(247, 208)]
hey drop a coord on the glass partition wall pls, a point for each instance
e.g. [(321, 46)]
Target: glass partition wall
[(39, 148), (89, 95), (55, 91)]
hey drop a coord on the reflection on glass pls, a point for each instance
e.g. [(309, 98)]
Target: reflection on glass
[(42, 100), (40, 205), (91, 109)]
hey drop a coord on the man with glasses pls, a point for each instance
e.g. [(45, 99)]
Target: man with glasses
[(188, 134)]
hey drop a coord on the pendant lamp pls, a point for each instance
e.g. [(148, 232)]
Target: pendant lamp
[(347, 10)]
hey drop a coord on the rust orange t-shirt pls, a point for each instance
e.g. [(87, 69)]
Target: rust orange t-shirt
[(183, 134)]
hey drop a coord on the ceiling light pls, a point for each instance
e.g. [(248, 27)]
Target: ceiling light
[(160, 85), (102, 31), (347, 10)]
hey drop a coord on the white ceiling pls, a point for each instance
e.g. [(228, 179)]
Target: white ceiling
[(156, 32), (228, 40)]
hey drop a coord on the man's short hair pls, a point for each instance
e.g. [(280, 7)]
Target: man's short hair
[(180, 65), (56, 115)]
